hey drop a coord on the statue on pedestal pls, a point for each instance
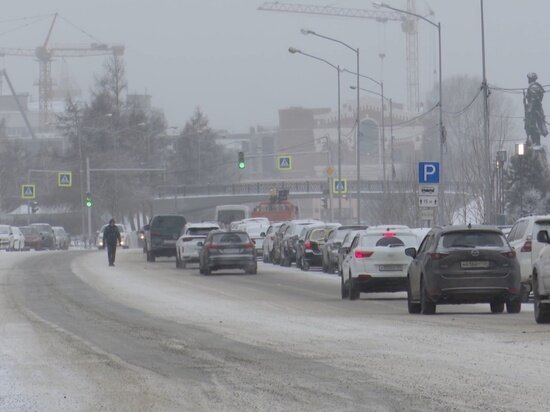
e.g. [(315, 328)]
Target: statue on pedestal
[(535, 124)]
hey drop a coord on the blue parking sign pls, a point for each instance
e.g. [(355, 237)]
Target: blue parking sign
[(428, 172)]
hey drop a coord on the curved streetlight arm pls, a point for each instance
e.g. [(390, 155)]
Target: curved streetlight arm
[(370, 91), (387, 6), (306, 32), (296, 51), (362, 75)]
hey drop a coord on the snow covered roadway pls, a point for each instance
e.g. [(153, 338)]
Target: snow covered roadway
[(78, 335)]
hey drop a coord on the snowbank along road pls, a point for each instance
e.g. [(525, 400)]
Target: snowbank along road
[(78, 335)]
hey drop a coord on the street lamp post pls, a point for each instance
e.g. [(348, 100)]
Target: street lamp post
[(357, 143), (293, 50), (441, 127)]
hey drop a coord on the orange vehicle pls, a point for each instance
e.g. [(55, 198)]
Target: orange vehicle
[(277, 208)]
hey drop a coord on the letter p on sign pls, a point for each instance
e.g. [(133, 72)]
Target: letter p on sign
[(428, 172)]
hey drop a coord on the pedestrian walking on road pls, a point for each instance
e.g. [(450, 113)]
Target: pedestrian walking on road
[(111, 237)]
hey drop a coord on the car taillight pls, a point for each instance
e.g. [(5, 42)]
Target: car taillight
[(211, 246), (248, 246), (438, 256), (154, 233), (360, 254), (307, 245), (526, 246), (511, 254)]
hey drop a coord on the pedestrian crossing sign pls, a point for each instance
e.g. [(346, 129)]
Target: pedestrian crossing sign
[(340, 186), (28, 192), (65, 179), (284, 162)]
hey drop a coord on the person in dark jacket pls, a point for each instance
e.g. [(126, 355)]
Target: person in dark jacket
[(111, 237)]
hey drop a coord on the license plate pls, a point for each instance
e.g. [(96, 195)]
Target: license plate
[(231, 251), (169, 242), (390, 268), (476, 264)]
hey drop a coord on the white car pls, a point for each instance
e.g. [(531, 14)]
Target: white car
[(6, 237), (256, 228), (187, 245), (123, 237), (376, 261), (541, 278), (523, 238), (18, 239)]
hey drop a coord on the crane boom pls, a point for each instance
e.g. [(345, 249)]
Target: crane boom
[(378, 15), (408, 25)]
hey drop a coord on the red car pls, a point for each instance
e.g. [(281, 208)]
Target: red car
[(33, 239)]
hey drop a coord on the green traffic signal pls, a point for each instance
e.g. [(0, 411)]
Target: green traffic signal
[(88, 201), (241, 163)]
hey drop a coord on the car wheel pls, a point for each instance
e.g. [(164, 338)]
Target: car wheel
[(513, 306), (324, 265), (265, 257), (524, 293), (541, 310), (413, 307), (497, 307), (299, 262), (252, 269), (344, 290), (151, 257), (353, 292), (206, 270), (304, 264), (183, 264), (427, 307), (178, 263)]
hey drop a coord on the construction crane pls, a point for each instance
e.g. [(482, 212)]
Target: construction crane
[(408, 25), (46, 54)]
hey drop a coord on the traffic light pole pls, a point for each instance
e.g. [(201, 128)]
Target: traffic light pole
[(88, 191)]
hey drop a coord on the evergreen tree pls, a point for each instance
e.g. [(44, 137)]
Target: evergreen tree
[(526, 184)]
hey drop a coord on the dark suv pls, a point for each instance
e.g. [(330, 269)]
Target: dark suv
[(463, 264), (162, 234), (46, 233)]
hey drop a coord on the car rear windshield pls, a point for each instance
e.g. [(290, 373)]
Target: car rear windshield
[(28, 230), (230, 238), (200, 231), (43, 227), (471, 239), (317, 234), (4, 230), (390, 240), (168, 223)]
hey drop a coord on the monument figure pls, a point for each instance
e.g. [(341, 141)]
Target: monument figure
[(535, 124)]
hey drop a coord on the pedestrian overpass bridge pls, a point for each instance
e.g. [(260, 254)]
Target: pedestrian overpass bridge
[(192, 198)]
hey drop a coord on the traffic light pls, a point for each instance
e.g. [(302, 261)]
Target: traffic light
[(241, 163), (34, 207), (324, 202), (88, 201)]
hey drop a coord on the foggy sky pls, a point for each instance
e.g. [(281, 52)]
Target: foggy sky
[(232, 60)]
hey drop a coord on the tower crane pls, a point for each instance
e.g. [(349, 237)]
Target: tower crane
[(408, 25), (45, 54)]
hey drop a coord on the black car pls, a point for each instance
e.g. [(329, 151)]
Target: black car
[(308, 248), (289, 240), (329, 251), (228, 250), (162, 234), (464, 264)]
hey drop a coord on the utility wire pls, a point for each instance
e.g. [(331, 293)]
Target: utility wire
[(465, 108)]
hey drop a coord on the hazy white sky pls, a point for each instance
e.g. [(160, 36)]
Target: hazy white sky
[(232, 60)]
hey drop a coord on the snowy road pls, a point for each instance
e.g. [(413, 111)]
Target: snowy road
[(78, 335)]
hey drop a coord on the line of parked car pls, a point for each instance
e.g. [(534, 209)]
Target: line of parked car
[(442, 265), (37, 236)]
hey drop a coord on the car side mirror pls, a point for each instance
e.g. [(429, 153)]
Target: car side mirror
[(262, 234), (146, 227), (200, 244), (410, 251), (543, 237), (253, 241)]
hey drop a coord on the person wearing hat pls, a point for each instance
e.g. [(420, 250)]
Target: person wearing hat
[(111, 237)]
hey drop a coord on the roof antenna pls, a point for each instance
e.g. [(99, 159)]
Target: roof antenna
[(470, 225)]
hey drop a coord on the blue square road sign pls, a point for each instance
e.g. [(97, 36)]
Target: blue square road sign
[(428, 172)]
